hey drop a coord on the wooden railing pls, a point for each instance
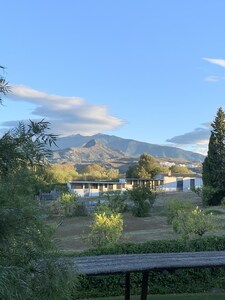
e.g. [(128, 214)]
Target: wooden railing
[(129, 263)]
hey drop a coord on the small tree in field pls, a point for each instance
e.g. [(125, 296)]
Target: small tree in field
[(142, 199), (106, 228), (68, 202), (192, 222), (174, 206)]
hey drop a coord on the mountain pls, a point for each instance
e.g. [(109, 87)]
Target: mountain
[(67, 147), (94, 152)]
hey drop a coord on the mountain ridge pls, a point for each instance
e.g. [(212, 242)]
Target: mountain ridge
[(129, 147)]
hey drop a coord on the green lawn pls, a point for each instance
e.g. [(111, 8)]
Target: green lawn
[(211, 296)]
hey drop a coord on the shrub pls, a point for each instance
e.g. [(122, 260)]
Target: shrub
[(116, 201), (192, 222), (79, 210), (143, 199), (106, 229), (172, 207), (67, 200)]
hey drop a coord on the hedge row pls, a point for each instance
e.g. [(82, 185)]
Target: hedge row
[(165, 282)]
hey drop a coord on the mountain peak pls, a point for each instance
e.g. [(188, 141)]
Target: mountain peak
[(91, 143)]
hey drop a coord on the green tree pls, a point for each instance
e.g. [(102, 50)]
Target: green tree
[(180, 170), (142, 199), (116, 201), (214, 164), (61, 173), (97, 172), (26, 146), (28, 269), (147, 167), (194, 222), (106, 228), (173, 206), (68, 202)]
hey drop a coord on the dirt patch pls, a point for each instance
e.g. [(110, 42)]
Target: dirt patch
[(70, 234)]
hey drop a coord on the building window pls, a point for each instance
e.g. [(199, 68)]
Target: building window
[(110, 186), (118, 186), (77, 186), (94, 186)]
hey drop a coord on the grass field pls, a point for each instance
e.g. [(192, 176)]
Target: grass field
[(70, 234)]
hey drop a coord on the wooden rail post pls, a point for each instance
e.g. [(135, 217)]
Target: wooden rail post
[(127, 286), (144, 290)]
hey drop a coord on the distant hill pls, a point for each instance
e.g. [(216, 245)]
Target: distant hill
[(94, 152), (112, 147)]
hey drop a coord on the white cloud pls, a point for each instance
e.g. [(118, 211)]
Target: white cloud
[(216, 61), (195, 141), (67, 115), (199, 136)]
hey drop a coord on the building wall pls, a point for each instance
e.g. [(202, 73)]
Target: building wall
[(171, 183), (94, 189), (164, 183)]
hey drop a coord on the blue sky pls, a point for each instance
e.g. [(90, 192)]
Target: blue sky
[(150, 70)]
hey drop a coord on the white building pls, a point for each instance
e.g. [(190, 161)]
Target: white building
[(181, 182), (160, 182), (95, 188)]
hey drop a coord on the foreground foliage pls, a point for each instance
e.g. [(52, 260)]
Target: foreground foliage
[(28, 265), (181, 281)]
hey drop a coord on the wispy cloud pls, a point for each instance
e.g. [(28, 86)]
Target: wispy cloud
[(67, 115), (217, 61)]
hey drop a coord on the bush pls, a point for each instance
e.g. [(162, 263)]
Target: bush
[(172, 207), (192, 222), (67, 200), (142, 198), (116, 201), (79, 210), (106, 229)]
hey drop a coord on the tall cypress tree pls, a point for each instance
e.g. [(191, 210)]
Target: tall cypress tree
[(214, 163)]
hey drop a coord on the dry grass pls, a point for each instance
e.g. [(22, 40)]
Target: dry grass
[(70, 234)]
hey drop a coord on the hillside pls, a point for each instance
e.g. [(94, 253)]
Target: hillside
[(94, 152), (71, 147)]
